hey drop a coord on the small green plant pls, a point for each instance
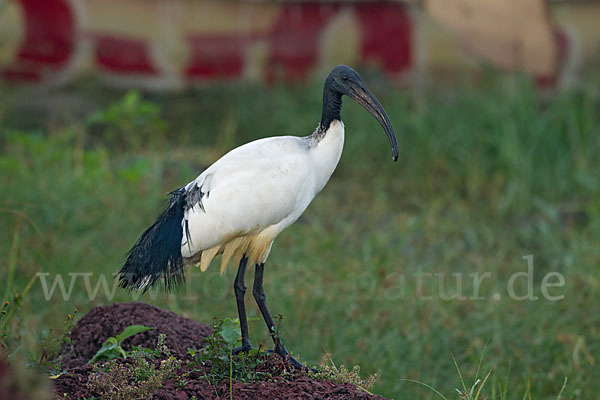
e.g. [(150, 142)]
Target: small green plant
[(328, 371), (49, 345), (56, 364), (471, 394), (215, 361), (131, 121), (112, 348), (117, 379)]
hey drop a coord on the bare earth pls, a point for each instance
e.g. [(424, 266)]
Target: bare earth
[(182, 334)]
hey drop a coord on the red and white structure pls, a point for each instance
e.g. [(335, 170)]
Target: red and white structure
[(174, 43)]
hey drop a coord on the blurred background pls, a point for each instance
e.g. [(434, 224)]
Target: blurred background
[(105, 106)]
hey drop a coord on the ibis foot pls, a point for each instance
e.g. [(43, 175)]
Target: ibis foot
[(244, 348), (289, 359)]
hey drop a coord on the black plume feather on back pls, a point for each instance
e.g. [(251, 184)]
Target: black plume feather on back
[(158, 250)]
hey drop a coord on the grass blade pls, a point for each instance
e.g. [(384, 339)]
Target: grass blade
[(562, 389), (12, 261), (462, 381), (481, 358), (483, 383), (426, 385)]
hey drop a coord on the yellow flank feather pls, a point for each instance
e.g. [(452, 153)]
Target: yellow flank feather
[(260, 246), (207, 256), (234, 248), (256, 247)]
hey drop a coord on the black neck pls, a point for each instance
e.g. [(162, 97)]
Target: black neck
[(332, 104)]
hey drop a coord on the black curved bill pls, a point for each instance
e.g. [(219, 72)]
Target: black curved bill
[(366, 99)]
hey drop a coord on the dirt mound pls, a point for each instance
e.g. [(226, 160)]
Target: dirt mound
[(106, 321), (103, 322), (303, 388)]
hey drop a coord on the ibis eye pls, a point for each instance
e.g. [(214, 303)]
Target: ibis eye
[(345, 77)]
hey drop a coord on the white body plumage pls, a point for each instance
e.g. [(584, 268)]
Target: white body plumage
[(242, 202), (251, 194)]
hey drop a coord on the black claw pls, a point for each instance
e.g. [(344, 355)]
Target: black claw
[(288, 358), (242, 349)]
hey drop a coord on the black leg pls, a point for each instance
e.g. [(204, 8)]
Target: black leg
[(260, 297), (239, 288)]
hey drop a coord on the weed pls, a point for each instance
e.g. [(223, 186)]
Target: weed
[(474, 391), (134, 378), (49, 345), (215, 360), (181, 382), (328, 371), (471, 394), (111, 348), (132, 122)]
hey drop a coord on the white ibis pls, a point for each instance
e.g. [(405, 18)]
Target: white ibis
[(239, 205)]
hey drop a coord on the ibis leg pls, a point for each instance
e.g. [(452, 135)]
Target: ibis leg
[(239, 288), (260, 297)]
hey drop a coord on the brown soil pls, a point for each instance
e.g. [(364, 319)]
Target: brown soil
[(182, 334), (18, 382), (103, 322), (8, 385)]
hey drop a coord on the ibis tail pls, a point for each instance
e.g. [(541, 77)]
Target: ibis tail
[(157, 253)]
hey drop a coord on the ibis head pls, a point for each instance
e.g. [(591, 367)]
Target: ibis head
[(344, 81)]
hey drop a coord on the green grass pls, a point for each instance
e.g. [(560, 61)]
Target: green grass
[(486, 176)]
